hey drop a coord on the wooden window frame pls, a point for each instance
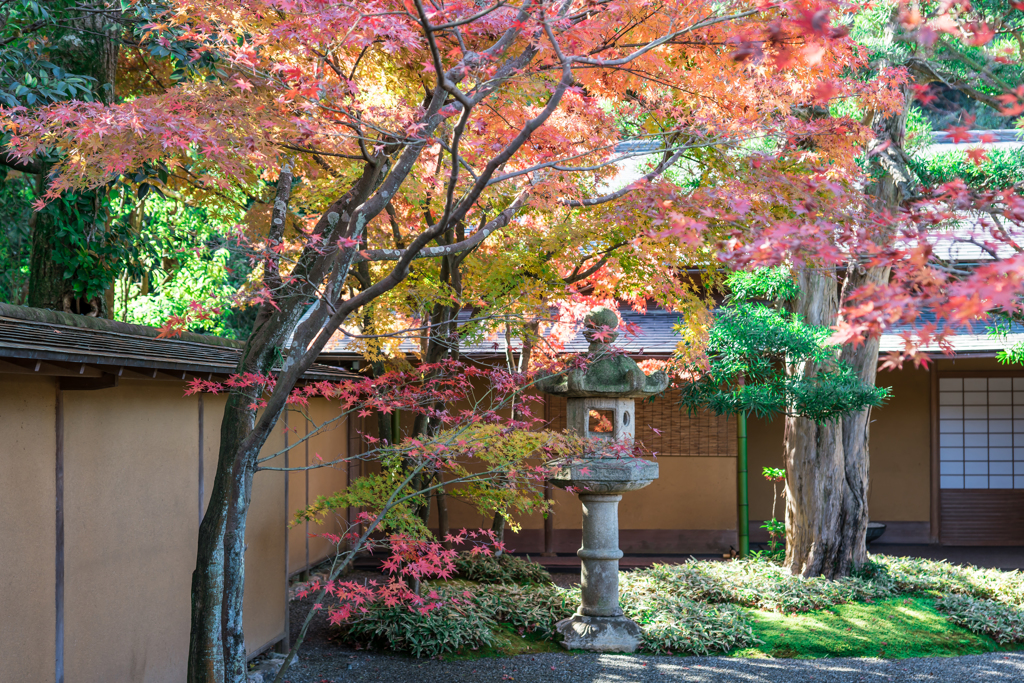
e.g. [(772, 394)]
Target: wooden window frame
[(935, 532)]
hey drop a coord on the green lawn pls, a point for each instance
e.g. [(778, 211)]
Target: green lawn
[(895, 628)]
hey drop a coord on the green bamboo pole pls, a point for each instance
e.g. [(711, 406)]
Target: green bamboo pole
[(742, 498)]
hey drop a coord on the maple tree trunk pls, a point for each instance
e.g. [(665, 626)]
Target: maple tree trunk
[(217, 644), (217, 649)]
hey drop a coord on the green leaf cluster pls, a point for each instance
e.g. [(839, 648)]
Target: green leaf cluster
[(748, 349)]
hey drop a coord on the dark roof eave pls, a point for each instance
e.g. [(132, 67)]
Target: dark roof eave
[(35, 334)]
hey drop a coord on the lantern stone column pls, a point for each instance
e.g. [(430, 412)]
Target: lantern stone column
[(600, 406), (599, 624)]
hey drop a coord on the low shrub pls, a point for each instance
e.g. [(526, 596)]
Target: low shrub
[(465, 616), (918, 575), (760, 582), (531, 609), (456, 623), (503, 569), (1004, 623), (672, 623)]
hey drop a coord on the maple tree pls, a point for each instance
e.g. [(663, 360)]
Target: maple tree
[(415, 148)]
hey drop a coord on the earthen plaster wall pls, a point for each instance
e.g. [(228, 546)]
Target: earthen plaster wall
[(137, 474), (27, 527)]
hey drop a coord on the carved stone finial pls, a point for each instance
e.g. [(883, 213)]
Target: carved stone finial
[(611, 375), (600, 327)]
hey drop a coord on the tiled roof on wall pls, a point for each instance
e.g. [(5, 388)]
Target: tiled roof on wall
[(32, 334), (657, 338)]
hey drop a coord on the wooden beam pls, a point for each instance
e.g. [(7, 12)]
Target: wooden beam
[(104, 381), (31, 366), (141, 373), (59, 541)]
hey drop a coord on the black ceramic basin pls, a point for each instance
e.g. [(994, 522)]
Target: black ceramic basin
[(875, 529)]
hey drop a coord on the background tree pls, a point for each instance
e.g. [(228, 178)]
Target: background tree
[(746, 368)]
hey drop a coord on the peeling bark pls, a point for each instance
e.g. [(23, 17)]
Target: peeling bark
[(814, 458)]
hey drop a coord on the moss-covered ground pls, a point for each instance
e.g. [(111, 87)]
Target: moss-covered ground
[(895, 628), (888, 629), (508, 642)]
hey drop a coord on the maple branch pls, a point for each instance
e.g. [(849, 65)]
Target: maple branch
[(612, 196), (7, 158), (499, 221), (577, 275), (395, 231), (322, 153), (453, 178), (471, 18), (557, 164), (928, 73), (665, 39), (278, 218)]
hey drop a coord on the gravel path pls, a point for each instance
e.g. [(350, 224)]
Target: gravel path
[(349, 667)]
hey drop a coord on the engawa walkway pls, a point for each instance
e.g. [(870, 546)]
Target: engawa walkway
[(1009, 557)]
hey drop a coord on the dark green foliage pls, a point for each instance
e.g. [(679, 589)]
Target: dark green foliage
[(1003, 168), (15, 237), (92, 244), (27, 76), (769, 284), (504, 569), (754, 342)]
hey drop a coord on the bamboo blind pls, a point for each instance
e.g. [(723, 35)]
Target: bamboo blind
[(702, 435)]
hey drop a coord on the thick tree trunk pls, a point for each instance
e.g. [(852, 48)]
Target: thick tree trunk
[(856, 433), (815, 460), (90, 50), (217, 646)]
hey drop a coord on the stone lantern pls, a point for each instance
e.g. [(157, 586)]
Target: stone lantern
[(600, 404)]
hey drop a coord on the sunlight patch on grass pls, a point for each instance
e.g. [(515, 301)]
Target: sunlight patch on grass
[(895, 629)]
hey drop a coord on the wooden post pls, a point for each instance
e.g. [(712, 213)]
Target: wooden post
[(742, 493), (549, 525)]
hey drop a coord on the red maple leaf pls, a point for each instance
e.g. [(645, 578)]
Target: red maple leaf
[(977, 155), (923, 93), (958, 134)]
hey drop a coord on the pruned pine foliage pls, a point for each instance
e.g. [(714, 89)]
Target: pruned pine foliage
[(743, 365)]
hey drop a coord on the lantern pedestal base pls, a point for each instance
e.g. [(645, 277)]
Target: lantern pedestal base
[(599, 634)]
